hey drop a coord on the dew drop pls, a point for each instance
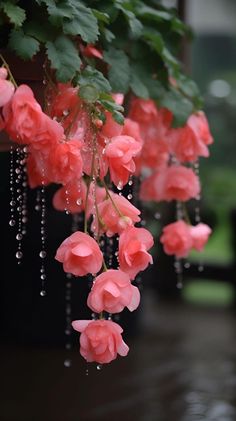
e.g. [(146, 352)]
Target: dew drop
[(120, 185), (12, 203), (79, 202), (157, 215), (42, 254), (99, 367), (43, 276), (43, 293), (19, 236), (12, 222), (67, 363), (129, 196), (130, 182), (200, 268), (37, 207), (19, 254)]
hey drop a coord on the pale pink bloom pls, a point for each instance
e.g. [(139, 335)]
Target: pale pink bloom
[(200, 234), (80, 254), (134, 244), (176, 239), (65, 162), (180, 183), (23, 115), (100, 340), (186, 144), (152, 187), (6, 91), (3, 73), (120, 153), (199, 124), (112, 291), (71, 197), (114, 219), (37, 169)]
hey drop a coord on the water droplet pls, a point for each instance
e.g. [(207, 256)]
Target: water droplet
[(99, 367), (79, 202), (130, 182), (12, 222), (65, 113), (129, 196), (179, 285), (19, 236), (67, 331), (200, 268), (19, 254), (68, 346), (12, 203), (24, 219), (120, 185), (17, 170), (43, 276), (42, 254), (43, 293), (67, 363), (37, 207), (157, 215), (187, 265)]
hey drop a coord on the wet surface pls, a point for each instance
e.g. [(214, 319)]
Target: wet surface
[(181, 367)]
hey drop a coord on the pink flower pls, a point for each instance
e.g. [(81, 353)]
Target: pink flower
[(6, 91), (100, 340), (143, 110), (186, 145), (115, 219), (49, 134), (176, 239), (133, 246), (80, 254), (23, 115), (120, 153), (71, 197), (180, 183), (112, 291), (199, 124), (91, 51), (200, 234), (36, 169), (65, 162), (152, 188), (111, 128)]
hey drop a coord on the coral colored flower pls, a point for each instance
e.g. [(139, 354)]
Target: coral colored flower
[(186, 145), (176, 239), (80, 254), (200, 234), (110, 128), (120, 153), (65, 162), (180, 183), (6, 91), (91, 51), (134, 244), (23, 115), (37, 169), (152, 188), (155, 152), (131, 128), (143, 110), (49, 134), (199, 124), (112, 291), (114, 219), (71, 197), (100, 340)]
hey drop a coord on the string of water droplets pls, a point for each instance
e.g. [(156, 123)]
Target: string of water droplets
[(198, 211)]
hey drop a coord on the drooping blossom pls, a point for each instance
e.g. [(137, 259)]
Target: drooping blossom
[(65, 162), (199, 124), (152, 187), (143, 110), (23, 115), (64, 104), (71, 197), (176, 239), (187, 145), (90, 51), (134, 244), (6, 91), (200, 234), (80, 254), (100, 340), (49, 134), (112, 291), (120, 153), (115, 217), (180, 183)]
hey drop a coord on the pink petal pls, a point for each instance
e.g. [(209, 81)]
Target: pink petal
[(135, 300), (123, 349), (80, 325), (81, 250)]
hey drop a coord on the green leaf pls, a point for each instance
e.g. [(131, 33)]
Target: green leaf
[(154, 39), (134, 23), (64, 58), (110, 105), (82, 22), (89, 93), (180, 106), (100, 16), (118, 117), (93, 77), (15, 13), (119, 71), (42, 33), (108, 35), (24, 45), (58, 11)]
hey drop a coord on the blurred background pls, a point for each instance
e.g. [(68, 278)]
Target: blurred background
[(182, 360)]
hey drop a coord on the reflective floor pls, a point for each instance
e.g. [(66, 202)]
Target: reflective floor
[(181, 367)]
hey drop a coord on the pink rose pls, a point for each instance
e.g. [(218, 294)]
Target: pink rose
[(71, 197), (6, 91), (23, 115), (120, 153), (115, 219), (186, 145), (133, 246), (100, 340), (80, 254), (199, 124), (176, 239), (65, 162), (143, 110), (112, 291), (49, 134), (200, 234), (180, 183)]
